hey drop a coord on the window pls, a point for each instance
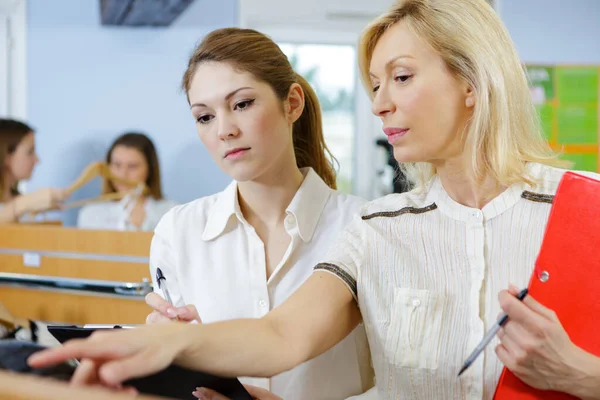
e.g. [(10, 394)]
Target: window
[(13, 71), (330, 69), (4, 65)]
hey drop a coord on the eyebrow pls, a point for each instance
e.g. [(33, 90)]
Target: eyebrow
[(391, 61), (229, 95)]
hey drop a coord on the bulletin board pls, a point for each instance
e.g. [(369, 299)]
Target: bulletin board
[(567, 100)]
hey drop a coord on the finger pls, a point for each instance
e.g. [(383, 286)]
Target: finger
[(505, 357), (260, 393), (188, 313), (157, 318), (512, 346), (117, 371), (76, 348), (519, 312), (86, 374), (161, 305), (208, 394), (536, 306), (513, 289)]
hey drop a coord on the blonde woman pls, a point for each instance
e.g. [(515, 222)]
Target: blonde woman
[(424, 270)]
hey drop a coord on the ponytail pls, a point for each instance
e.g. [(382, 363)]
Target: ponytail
[(309, 143)]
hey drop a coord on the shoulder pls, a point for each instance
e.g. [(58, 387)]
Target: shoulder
[(191, 214), (547, 178), (162, 206), (397, 204)]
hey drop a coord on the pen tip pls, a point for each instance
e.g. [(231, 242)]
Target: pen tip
[(462, 370)]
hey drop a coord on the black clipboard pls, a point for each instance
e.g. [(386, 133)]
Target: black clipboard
[(175, 381)]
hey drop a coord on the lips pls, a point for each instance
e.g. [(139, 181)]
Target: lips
[(394, 134), (236, 152)]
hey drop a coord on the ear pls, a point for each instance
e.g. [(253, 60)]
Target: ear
[(294, 106), (469, 98)]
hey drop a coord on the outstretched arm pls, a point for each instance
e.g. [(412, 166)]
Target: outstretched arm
[(319, 315)]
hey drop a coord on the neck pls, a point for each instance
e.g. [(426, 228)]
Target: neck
[(264, 200), (464, 187), (9, 183)]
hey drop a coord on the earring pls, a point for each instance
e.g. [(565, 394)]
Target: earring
[(470, 102)]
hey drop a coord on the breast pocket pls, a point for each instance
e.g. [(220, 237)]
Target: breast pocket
[(413, 337)]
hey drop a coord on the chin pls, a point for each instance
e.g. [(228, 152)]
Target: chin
[(404, 156)]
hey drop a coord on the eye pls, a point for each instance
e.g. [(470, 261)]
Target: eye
[(243, 105), (402, 78), (375, 89), (204, 119)]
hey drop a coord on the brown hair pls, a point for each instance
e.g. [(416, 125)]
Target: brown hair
[(144, 145), (250, 51), (11, 134)]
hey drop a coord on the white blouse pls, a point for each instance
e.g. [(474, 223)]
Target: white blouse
[(212, 258), (113, 215), (426, 272)]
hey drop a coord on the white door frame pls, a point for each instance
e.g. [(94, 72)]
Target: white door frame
[(13, 50)]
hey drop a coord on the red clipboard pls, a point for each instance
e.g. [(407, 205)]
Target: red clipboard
[(570, 259)]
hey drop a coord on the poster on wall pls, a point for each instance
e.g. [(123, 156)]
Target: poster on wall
[(567, 99)]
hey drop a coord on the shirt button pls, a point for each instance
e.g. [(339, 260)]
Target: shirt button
[(290, 221), (262, 303), (416, 302)]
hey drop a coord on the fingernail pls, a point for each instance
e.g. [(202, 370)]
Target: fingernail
[(513, 287), (171, 313)]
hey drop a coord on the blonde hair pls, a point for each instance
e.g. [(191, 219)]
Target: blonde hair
[(504, 132)]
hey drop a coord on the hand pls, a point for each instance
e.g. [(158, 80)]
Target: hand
[(256, 393), (43, 199), (164, 312), (536, 348), (110, 358)]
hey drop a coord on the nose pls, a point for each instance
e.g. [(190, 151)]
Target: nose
[(382, 104), (227, 129)]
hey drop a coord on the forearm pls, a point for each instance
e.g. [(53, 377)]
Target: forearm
[(586, 384), (245, 347), (12, 211)]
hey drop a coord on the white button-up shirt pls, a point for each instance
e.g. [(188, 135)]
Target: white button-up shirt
[(114, 215), (426, 272), (212, 258)]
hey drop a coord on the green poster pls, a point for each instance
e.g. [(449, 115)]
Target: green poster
[(546, 113), (541, 80), (577, 84), (577, 124), (582, 162)]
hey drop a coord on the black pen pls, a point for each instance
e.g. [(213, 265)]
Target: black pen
[(489, 336), (162, 284)]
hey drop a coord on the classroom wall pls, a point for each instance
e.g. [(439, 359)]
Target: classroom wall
[(554, 31), (87, 83)]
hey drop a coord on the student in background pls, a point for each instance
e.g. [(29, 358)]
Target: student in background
[(18, 158), (132, 157), (242, 252)]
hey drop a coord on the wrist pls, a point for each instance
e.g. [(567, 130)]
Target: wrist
[(586, 382), (186, 340)]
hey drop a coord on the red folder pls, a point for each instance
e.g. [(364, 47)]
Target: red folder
[(570, 259)]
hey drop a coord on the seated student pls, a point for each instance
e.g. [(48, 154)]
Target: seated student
[(132, 157), (243, 251), (17, 161)]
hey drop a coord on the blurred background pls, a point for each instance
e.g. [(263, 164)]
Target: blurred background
[(81, 72)]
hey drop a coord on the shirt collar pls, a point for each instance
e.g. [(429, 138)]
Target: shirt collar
[(221, 211), (305, 208), (501, 203), (308, 203)]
